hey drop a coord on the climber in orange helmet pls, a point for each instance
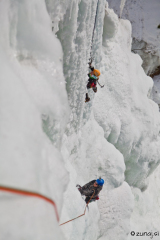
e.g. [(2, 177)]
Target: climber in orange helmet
[(92, 81)]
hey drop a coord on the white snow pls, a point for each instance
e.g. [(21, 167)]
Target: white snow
[(145, 217), (32, 85), (52, 140)]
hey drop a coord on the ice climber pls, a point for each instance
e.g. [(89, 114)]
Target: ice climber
[(92, 81), (91, 190)]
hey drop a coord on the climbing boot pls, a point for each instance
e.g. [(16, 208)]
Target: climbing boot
[(87, 98)]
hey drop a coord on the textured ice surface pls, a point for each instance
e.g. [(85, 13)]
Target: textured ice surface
[(120, 108), (123, 105), (145, 216), (32, 87), (48, 130)]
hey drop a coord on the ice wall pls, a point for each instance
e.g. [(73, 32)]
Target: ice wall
[(129, 90), (85, 149), (129, 119), (146, 212), (32, 90), (48, 130)]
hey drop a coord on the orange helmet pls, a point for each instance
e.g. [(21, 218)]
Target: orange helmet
[(96, 72)]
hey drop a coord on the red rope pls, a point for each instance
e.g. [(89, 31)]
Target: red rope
[(81, 214), (31, 194)]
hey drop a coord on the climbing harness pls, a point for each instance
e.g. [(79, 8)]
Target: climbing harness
[(31, 194), (81, 214)]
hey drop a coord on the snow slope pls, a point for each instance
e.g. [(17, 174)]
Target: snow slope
[(52, 140)]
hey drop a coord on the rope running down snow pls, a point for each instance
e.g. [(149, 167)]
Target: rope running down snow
[(31, 194), (81, 214)]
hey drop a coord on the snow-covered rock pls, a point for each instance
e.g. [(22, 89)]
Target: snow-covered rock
[(145, 19)]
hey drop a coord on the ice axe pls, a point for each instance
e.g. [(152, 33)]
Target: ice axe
[(100, 84)]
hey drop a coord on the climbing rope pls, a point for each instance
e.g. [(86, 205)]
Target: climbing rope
[(81, 214), (94, 30), (31, 194), (91, 57)]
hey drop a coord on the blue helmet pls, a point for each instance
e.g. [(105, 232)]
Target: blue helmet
[(100, 181)]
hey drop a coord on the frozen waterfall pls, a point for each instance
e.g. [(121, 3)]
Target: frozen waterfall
[(52, 140)]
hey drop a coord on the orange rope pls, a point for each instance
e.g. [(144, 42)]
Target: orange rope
[(31, 194), (81, 214)]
